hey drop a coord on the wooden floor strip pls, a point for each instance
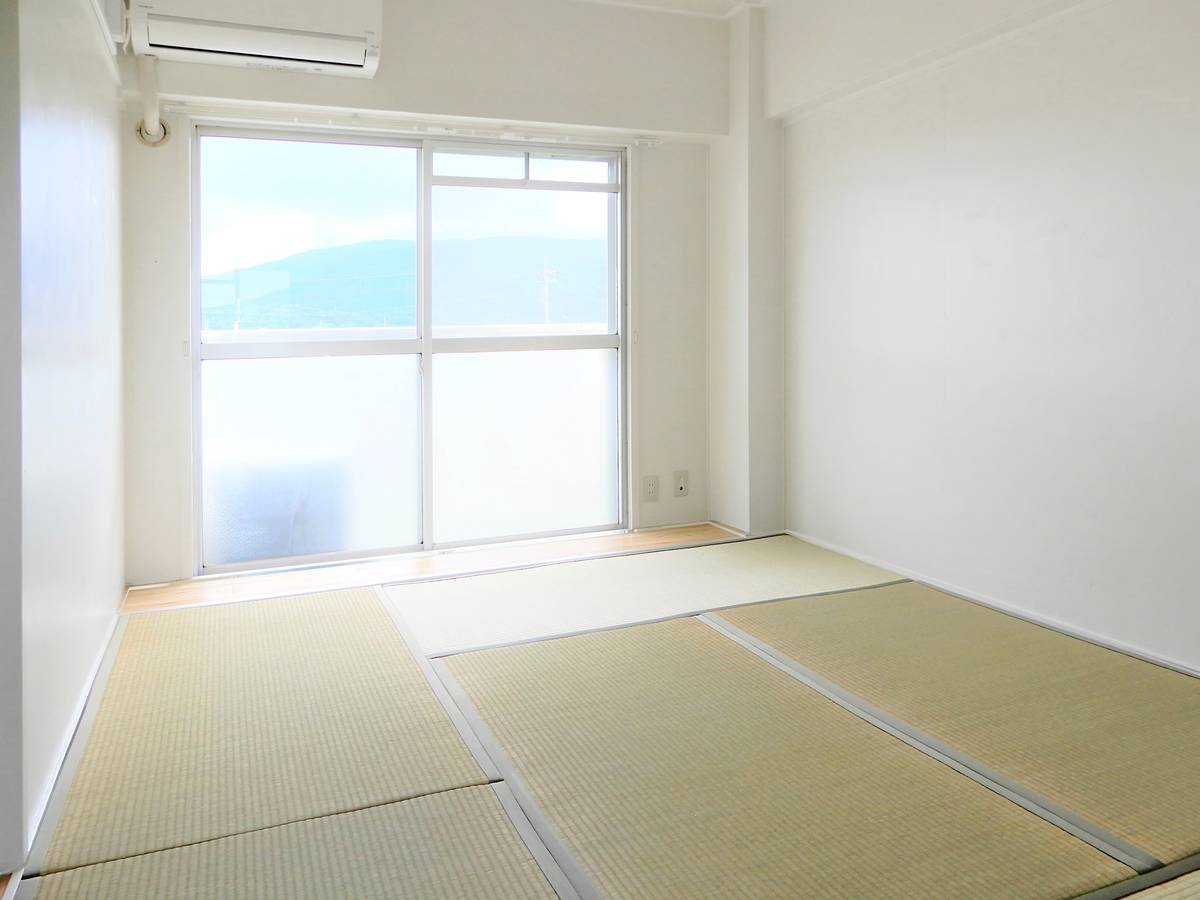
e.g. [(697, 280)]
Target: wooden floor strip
[(413, 567)]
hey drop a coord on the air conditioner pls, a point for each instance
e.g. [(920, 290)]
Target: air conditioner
[(333, 37)]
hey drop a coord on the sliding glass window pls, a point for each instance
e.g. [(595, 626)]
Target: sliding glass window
[(404, 345)]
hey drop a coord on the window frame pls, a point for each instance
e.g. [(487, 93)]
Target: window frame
[(361, 342)]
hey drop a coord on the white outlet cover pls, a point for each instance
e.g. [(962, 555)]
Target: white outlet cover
[(650, 488)]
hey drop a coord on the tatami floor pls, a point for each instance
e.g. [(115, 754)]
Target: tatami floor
[(759, 718)]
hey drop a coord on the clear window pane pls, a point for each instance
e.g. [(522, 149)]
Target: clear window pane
[(479, 165), (302, 236), (524, 443), (591, 171), (309, 456), (510, 261)]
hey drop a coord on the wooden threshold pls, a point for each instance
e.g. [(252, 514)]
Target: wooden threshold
[(412, 567)]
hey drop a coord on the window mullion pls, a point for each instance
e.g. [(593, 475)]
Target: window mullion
[(425, 300), (300, 349)]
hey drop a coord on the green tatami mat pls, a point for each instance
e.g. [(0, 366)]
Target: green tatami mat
[(226, 719), (1112, 738), (455, 844), (676, 764)]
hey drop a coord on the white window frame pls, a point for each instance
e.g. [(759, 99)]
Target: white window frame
[(364, 342)]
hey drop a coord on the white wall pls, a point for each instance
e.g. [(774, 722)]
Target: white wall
[(670, 293), (818, 50), (745, 306), (71, 372), (764, 291), (526, 60), (12, 817), (158, 371), (728, 336), (992, 321)]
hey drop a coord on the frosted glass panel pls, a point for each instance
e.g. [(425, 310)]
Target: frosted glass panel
[(508, 261), (308, 237), (308, 456), (524, 442)]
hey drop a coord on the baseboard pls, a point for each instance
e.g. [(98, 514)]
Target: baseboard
[(1060, 625), (737, 532), (39, 810)]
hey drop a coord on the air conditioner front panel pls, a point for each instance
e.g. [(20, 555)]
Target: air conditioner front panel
[(165, 33), (318, 36)]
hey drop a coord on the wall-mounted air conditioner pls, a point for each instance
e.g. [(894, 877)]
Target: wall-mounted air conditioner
[(333, 37)]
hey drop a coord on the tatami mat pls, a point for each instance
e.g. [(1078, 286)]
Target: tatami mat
[(1185, 888), (457, 844), (677, 764), (469, 613), (1112, 738), (227, 719)]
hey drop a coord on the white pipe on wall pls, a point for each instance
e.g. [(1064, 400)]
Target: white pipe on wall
[(152, 130)]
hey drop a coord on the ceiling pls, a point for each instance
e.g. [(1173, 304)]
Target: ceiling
[(715, 9)]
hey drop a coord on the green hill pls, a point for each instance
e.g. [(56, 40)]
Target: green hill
[(374, 284)]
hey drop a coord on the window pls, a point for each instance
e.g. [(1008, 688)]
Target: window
[(310, 455), (513, 261), (548, 457), (404, 345), (300, 238)]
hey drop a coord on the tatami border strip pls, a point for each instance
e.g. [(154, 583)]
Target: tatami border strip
[(546, 832), (439, 690), (533, 843), (79, 740), (442, 654), (1142, 882), (1074, 824)]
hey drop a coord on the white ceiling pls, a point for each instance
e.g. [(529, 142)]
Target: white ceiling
[(715, 9)]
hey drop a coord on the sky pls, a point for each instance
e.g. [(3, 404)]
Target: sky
[(263, 200)]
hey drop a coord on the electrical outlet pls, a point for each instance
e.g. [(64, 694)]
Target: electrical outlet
[(681, 483), (650, 488)]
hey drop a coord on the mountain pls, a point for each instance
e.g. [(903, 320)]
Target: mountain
[(494, 281)]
